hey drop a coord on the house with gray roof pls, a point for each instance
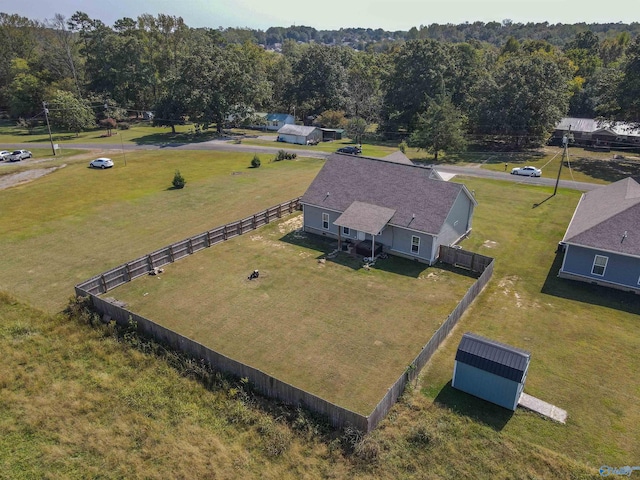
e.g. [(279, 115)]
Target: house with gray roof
[(299, 134), (490, 370), (602, 243), (592, 132), (379, 204)]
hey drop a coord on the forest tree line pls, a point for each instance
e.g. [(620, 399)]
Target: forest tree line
[(436, 89)]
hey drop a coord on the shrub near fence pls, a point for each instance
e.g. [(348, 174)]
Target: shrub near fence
[(268, 385)]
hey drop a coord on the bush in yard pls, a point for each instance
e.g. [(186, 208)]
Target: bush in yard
[(403, 146), (283, 155), (178, 180), (255, 163), (123, 126)]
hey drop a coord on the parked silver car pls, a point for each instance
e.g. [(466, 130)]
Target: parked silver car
[(101, 163), (4, 155), (18, 155)]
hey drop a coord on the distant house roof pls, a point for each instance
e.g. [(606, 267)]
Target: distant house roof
[(296, 130), (608, 218), (337, 130), (365, 217), (420, 203), (398, 157), (493, 357), (280, 117), (590, 125)]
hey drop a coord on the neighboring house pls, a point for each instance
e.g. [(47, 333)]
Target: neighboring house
[(275, 121), (602, 242), (590, 132), (490, 370), (386, 204), (299, 134)]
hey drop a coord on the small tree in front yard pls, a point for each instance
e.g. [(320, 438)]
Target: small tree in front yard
[(178, 180), (109, 124), (255, 163)]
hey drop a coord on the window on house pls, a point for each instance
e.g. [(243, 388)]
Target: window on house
[(325, 221), (415, 244), (346, 231), (599, 265)]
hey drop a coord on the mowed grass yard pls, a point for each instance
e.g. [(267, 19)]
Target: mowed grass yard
[(77, 222), (333, 329)]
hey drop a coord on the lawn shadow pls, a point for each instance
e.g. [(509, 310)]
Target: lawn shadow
[(587, 293), (608, 170), (168, 139), (536, 205), (472, 407)]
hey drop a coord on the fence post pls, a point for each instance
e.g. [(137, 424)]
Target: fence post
[(224, 233), (189, 247), (253, 223), (171, 253), (128, 271), (104, 283), (279, 210), (150, 262), (208, 239)]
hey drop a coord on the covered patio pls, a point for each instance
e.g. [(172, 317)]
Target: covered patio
[(364, 218)]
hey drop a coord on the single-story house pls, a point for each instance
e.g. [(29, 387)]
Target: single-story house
[(400, 208), (602, 242), (275, 121), (590, 132), (490, 370), (299, 134)]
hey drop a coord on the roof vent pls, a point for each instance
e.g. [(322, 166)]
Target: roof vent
[(624, 235)]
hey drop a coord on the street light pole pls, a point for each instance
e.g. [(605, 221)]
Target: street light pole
[(122, 147), (46, 117)]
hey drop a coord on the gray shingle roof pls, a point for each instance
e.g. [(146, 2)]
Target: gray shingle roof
[(398, 157), (605, 215), (404, 188), (296, 130), (590, 125), (365, 217), (493, 357)]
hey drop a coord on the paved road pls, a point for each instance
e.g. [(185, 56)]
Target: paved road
[(226, 146)]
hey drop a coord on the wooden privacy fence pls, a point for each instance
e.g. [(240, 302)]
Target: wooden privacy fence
[(142, 266), (464, 259), (430, 348), (267, 385)]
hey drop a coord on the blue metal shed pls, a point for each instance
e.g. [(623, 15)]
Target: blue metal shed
[(490, 370)]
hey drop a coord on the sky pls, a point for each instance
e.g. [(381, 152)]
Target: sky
[(390, 15)]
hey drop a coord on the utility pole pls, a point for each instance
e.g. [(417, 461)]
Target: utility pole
[(46, 117), (565, 154)]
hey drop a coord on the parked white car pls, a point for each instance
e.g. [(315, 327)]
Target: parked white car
[(18, 155), (4, 155), (101, 163), (527, 171)]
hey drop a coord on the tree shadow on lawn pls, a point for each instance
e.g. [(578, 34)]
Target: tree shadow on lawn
[(609, 170), (587, 293), (175, 140), (475, 408)]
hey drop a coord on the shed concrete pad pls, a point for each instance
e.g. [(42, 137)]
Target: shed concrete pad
[(543, 408)]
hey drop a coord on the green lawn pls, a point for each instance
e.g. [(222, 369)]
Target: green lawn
[(74, 403), (77, 222), (333, 329)]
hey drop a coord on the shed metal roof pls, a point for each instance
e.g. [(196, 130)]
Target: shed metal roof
[(493, 357), (281, 117), (297, 130), (365, 217)]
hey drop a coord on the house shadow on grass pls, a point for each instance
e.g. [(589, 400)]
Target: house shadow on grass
[(475, 408), (608, 170), (587, 293)]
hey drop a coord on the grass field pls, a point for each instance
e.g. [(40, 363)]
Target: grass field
[(77, 222), (333, 329), (75, 403)]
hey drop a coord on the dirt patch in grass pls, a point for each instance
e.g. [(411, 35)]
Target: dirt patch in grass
[(19, 178)]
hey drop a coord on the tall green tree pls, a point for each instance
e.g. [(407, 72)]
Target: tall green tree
[(71, 113), (629, 86), (440, 128), (522, 98)]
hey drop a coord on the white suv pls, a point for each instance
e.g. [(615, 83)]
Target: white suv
[(18, 155)]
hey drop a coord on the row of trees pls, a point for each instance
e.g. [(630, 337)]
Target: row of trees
[(517, 91)]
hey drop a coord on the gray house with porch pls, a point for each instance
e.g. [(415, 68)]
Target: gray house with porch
[(384, 205), (602, 242)]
